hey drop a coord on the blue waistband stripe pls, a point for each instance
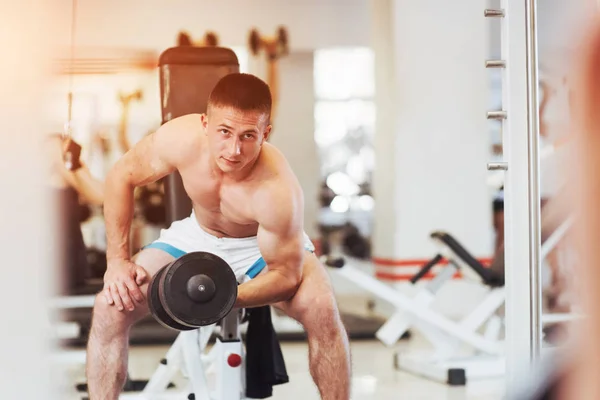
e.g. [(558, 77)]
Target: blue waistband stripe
[(256, 268), (174, 251)]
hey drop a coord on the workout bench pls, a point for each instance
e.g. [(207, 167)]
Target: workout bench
[(190, 355)]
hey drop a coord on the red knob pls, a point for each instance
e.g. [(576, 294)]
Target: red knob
[(234, 360)]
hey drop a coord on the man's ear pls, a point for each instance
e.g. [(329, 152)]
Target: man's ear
[(267, 133), (204, 120)]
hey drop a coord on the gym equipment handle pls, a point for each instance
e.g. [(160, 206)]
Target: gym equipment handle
[(489, 277), (426, 268), (496, 115), (493, 13), (495, 64), (497, 166)]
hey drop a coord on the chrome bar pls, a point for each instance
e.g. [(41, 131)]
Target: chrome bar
[(501, 114), (495, 64), (497, 166), (493, 13), (535, 270)]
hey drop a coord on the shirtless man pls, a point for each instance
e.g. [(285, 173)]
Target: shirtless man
[(247, 204)]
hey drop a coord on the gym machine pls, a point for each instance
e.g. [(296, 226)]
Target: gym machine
[(479, 331)]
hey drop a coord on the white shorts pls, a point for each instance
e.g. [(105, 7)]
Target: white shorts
[(242, 254)]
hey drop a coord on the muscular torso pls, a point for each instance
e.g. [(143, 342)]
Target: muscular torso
[(223, 207)]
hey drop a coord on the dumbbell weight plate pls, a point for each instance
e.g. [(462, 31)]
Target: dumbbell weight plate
[(156, 308), (196, 304)]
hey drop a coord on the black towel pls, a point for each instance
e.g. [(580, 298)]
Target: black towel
[(265, 366)]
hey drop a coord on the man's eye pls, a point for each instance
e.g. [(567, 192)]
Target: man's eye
[(248, 136), (224, 131)]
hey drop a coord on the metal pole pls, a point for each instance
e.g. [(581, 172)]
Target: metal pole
[(522, 207), (535, 291)]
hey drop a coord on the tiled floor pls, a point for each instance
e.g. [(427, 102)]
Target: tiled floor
[(374, 375)]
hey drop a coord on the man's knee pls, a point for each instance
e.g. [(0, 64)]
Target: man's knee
[(108, 321), (319, 314)]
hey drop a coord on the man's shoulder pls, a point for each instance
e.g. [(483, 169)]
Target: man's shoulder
[(275, 167), (277, 180), (188, 122), (278, 198), (181, 127), (179, 137), (275, 159)]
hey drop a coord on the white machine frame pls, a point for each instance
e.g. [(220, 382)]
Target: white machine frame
[(189, 355), (213, 374), (480, 330)]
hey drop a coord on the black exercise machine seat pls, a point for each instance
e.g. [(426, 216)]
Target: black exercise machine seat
[(488, 276)]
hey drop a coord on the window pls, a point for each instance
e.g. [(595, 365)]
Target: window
[(344, 129), (345, 113)]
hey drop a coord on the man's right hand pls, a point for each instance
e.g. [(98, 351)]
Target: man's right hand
[(122, 282)]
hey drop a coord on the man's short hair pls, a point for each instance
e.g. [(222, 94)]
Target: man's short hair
[(243, 92)]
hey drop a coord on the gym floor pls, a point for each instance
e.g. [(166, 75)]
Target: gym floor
[(374, 375)]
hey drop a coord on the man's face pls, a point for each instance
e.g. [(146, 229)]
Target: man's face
[(235, 137)]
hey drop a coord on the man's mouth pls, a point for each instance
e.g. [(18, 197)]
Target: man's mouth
[(230, 161)]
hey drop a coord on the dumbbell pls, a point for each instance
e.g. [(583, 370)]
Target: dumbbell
[(195, 290)]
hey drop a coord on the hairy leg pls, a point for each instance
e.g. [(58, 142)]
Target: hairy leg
[(315, 307), (108, 343)]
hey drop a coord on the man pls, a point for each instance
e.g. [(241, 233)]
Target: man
[(247, 203)]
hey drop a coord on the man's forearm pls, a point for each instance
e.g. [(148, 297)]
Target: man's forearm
[(118, 214), (92, 188), (268, 288)]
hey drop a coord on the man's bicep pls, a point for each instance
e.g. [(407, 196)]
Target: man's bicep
[(281, 234), (282, 251)]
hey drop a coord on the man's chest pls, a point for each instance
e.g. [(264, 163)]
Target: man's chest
[(233, 200)]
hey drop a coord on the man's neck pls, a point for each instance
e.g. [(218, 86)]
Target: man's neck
[(235, 176)]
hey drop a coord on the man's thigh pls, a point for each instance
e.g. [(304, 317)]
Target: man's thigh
[(151, 260), (314, 288)]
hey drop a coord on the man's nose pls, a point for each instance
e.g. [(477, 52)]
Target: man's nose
[(236, 147)]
